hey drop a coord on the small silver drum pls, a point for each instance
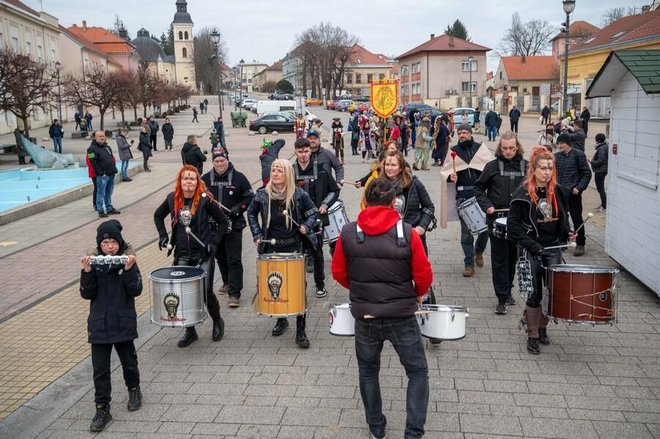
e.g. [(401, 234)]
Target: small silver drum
[(499, 228), (341, 320), (444, 322), (178, 298), (338, 219), (473, 216)]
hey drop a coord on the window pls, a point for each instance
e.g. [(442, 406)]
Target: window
[(180, 35), (14, 44), (358, 78), (370, 78), (40, 53), (404, 70), (349, 78), (416, 67), (469, 68), (184, 52), (500, 76), (28, 48), (468, 86), (185, 35), (381, 76)]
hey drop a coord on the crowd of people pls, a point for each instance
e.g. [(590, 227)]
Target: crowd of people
[(382, 258)]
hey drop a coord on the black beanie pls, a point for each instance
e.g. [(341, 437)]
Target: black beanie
[(563, 138), (109, 229)]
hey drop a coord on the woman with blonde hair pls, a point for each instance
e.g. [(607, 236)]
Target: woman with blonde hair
[(277, 232)]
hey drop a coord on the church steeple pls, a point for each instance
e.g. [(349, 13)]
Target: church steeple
[(182, 15)]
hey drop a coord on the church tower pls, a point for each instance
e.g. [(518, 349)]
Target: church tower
[(183, 45)]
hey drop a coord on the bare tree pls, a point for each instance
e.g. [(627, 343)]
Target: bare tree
[(24, 85), (207, 60), (526, 39), (127, 86), (613, 14)]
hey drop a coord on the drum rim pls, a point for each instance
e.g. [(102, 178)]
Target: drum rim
[(504, 223), (438, 307), (471, 200), (344, 305), (284, 256), (198, 276), (337, 205), (583, 269)]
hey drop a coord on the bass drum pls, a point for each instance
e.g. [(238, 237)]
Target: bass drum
[(442, 322), (178, 296), (280, 284)]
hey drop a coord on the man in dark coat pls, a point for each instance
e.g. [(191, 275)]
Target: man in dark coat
[(103, 162), (56, 133), (578, 136), (491, 124), (168, 133), (153, 132), (584, 117), (545, 115), (514, 117), (192, 155)]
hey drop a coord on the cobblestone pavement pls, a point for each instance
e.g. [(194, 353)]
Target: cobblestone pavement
[(591, 382)]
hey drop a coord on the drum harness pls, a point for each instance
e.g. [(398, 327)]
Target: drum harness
[(512, 175), (221, 185), (401, 240)]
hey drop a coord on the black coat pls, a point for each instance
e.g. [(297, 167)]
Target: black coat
[(145, 145), (599, 160), (514, 115), (268, 157), (112, 291), (168, 131), (192, 155), (496, 190), (233, 190), (101, 158), (491, 119), (572, 170), (418, 209)]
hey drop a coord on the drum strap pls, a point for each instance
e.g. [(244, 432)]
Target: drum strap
[(512, 175), (400, 236), (221, 184)]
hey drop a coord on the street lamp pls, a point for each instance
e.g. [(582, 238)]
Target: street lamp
[(569, 7), (470, 58), (58, 65), (215, 36), (241, 63)]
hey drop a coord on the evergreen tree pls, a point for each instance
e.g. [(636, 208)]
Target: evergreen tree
[(167, 41), (458, 30)]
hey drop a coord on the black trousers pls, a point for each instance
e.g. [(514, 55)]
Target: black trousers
[(228, 256), (575, 209), (514, 126), (600, 186), (212, 303), (319, 262), (101, 365), (154, 140), (503, 256)]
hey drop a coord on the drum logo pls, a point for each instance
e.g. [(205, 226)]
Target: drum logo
[(171, 302), (275, 285)]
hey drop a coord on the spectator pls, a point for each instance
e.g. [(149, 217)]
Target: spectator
[(153, 133), (144, 146), (578, 136), (168, 133), (584, 117), (56, 133), (514, 117), (545, 115), (88, 121), (124, 151), (599, 167), (103, 162), (491, 124), (78, 119), (192, 155)]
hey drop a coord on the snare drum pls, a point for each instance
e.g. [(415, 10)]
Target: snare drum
[(342, 322), (444, 322), (499, 228), (178, 296), (582, 293), (473, 216), (280, 284), (338, 219)]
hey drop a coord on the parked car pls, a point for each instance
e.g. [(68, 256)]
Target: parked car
[(458, 112), (247, 103), (331, 105), (313, 101), (272, 122), (343, 105)]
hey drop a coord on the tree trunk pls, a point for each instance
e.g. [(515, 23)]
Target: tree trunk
[(26, 130), (123, 118), (102, 113), (135, 113)]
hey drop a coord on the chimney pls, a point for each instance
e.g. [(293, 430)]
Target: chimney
[(451, 41), (432, 36), (646, 8), (84, 24), (523, 59)]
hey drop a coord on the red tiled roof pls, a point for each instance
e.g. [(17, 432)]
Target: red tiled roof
[(445, 43), (579, 27), (275, 66), (104, 40), (83, 42), (360, 56), (625, 29), (533, 68), (489, 75)]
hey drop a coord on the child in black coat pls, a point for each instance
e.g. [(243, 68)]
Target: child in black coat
[(112, 288)]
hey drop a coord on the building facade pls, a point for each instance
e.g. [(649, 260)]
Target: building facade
[(363, 68), (182, 25), (272, 74), (525, 81)]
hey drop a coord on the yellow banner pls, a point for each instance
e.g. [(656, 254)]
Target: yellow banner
[(384, 97)]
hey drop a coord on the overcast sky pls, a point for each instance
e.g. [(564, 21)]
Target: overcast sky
[(265, 30)]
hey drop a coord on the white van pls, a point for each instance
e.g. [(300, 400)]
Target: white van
[(264, 107)]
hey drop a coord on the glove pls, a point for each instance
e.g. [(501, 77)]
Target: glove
[(236, 211), (163, 241)]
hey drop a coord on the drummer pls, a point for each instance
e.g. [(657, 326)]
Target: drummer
[(270, 202), (324, 157), (186, 200), (494, 189), (231, 188), (323, 190), (537, 219)]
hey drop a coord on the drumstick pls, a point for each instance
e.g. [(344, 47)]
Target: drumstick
[(501, 210), (206, 194), (286, 213), (589, 216), (570, 244), (349, 182), (453, 160), (190, 233)]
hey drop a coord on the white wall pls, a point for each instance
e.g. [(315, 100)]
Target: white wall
[(633, 203)]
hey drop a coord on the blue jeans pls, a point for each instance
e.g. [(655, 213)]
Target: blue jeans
[(57, 145), (105, 184), (124, 169), (468, 244), (405, 336), (492, 132)]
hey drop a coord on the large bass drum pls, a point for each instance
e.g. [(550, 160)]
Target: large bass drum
[(280, 284), (178, 296)]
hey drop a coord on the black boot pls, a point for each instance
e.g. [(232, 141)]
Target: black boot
[(101, 418), (218, 328), (533, 346), (188, 338), (543, 336), (301, 337), (280, 325), (134, 399)]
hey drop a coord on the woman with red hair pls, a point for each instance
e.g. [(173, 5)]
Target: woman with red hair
[(538, 219), (189, 203)]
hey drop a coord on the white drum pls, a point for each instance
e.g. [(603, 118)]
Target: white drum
[(473, 216), (342, 322), (338, 219), (499, 228), (178, 296), (444, 322)]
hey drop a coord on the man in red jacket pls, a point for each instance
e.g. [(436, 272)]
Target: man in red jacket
[(388, 277)]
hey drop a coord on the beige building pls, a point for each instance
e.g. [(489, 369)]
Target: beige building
[(363, 68), (525, 81), (249, 71), (152, 53), (33, 33), (183, 45), (270, 74), (443, 71)]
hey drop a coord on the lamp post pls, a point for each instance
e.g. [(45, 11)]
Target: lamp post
[(569, 7), (470, 58), (241, 63), (58, 65), (215, 36)]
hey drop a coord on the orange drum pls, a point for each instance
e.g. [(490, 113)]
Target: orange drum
[(582, 293), (280, 284)]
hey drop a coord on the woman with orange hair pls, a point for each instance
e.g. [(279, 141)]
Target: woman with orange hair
[(189, 204), (538, 219)]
